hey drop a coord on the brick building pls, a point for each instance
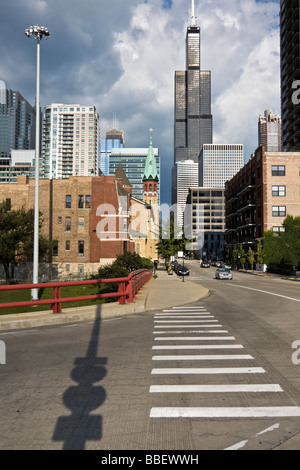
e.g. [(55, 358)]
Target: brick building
[(87, 216), (261, 195)]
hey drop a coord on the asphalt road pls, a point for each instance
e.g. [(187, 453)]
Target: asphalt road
[(145, 382)]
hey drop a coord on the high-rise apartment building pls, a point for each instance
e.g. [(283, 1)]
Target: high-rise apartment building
[(219, 163), (17, 128), (290, 73), (193, 119), (269, 131), (70, 141), (184, 176), (114, 139)]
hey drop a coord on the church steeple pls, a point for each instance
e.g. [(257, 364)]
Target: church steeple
[(150, 178), (150, 172)]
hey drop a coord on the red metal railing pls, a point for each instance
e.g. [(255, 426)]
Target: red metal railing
[(128, 288)]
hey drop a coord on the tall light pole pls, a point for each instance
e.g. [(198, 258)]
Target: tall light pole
[(38, 32)]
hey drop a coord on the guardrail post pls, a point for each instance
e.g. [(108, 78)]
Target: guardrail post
[(130, 289), (122, 290), (56, 306)]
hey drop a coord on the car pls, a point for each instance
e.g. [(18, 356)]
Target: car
[(183, 271), (223, 273), (205, 264)]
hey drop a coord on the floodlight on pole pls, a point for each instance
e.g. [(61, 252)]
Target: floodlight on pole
[(39, 32)]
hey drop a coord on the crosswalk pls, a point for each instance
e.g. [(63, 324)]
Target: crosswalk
[(196, 358)]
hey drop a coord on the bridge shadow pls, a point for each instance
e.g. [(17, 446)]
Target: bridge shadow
[(81, 426)]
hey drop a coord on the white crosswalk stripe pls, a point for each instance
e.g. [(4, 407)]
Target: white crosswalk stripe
[(195, 326)]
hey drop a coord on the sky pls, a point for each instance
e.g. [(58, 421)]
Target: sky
[(121, 56)]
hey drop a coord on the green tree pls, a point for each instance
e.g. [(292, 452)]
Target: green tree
[(16, 237), (170, 242), (251, 257), (242, 256), (260, 254), (123, 265)]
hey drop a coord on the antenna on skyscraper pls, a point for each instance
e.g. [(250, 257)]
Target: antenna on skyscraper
[(193, 16)]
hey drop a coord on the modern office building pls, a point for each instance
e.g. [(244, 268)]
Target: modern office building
[(114, 139), (70, 141), (133, 161), (184, 176), (206, 219), (269, 131), (219, 163), (261, 195), (17, 128), (193, 118), (290, 73)]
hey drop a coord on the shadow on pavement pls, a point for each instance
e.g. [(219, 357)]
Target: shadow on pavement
[(82, 399)]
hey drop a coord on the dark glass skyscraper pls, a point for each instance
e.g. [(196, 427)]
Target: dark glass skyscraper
[(193, 119), (290, 73)]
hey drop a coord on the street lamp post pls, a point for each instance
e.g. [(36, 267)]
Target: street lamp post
[(38, 32)]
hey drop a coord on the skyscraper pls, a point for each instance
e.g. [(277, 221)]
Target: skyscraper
[(269, 131), (184, 176), (17, 123), (290, 73), (193, 119), (70, 141), (219, 163), (113, 139)]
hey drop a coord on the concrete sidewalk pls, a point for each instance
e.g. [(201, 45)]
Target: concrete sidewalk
[(163, 292)]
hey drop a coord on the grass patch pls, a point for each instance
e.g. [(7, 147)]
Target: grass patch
[(47, 293)]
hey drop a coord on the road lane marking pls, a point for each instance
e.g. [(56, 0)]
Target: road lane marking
[(195, 338), (193, 315), (235, 388), (207, 357), (189, 326), (186, 321), (235, 412), (208, 370), (266, 292), (241, 444), (189, 331), (205, 346)]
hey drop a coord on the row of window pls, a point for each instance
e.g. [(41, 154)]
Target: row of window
[(84, 201), (279, 170), (68, 247), (68, 223)]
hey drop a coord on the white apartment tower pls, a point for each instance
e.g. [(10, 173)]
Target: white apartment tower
[(219, 163), (70, 141), (184, 176)]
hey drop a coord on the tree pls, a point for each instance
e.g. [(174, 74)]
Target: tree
[(123, 265), (242, 256), (170, 243), (16, 237), (251, 257), (260, 254), (282, 251)]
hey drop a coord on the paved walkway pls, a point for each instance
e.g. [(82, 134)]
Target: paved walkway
[(163, 292)]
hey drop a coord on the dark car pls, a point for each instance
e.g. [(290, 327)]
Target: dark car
[(183, 271), (205, 264)]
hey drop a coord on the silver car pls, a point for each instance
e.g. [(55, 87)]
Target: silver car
[(223, 273)]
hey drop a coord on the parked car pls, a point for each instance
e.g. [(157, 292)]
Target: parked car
[(205, 264), (183, 271), (223, 273)]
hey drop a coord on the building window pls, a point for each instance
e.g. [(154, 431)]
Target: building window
[(55, 249), (278, 191), (8, 204), (68, 224), (81, 223), (80, 201), (88, 201), (68, 245), (67, 268), (278, 230), (68, 201), (278, 170), (279, 211), (59, 220), (80, 248)]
